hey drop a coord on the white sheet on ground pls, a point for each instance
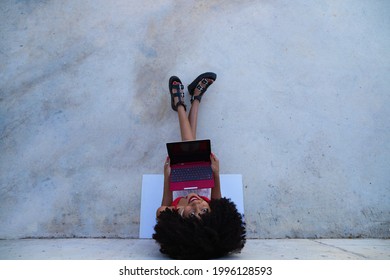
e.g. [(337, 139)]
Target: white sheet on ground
[(151, 196)]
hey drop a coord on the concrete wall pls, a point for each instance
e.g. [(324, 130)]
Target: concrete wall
[(300, 109)]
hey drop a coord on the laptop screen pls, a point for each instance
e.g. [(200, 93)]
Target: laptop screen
[(189, 151)]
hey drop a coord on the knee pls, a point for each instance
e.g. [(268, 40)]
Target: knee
[(184, 139)]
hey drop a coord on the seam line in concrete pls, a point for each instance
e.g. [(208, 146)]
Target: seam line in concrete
[(341, 249)]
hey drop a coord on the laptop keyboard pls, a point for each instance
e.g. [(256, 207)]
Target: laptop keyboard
[(191, 173)]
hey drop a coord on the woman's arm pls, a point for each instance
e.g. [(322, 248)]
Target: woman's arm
[(216, 191), (167, 193)]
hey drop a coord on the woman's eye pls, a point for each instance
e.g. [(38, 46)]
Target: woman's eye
[(205, 210), (192, 214)]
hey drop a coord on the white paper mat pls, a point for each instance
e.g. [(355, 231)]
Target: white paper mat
[(151, 196)]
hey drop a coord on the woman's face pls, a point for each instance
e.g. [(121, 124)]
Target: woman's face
[(193, 206)]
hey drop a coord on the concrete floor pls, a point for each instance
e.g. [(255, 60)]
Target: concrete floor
[(300, 109), (146, 249)]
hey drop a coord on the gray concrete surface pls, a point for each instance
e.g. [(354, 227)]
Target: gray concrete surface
[(300, 109), (143, 249)]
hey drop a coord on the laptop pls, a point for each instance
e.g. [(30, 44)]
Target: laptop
[(190, 165)]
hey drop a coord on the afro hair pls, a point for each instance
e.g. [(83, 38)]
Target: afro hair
[(216, 234)]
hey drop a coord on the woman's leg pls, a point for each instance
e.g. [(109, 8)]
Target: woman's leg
[(185, 127), (193, 115)]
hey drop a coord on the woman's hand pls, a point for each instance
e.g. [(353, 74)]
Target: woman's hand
[(214, 163), (167, 168)]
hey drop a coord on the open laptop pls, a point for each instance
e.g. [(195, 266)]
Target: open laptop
[(190, 165)]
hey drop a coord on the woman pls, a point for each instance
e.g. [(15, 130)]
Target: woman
[(196, 225)]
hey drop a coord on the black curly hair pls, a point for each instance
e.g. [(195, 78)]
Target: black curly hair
[(216, 234)]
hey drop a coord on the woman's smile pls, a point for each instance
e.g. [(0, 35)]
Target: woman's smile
[(193, 206), (193, 198)]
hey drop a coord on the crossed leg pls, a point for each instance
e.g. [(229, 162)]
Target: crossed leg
[(193, 116), (188, 125), (185, 126)]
